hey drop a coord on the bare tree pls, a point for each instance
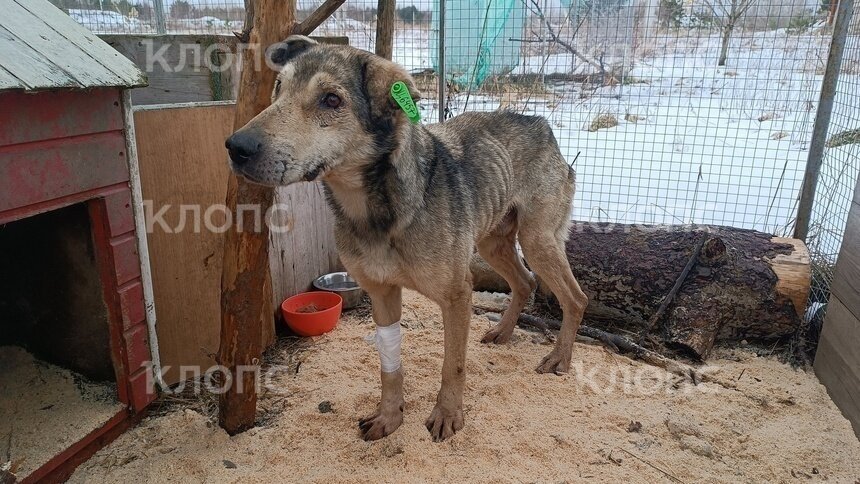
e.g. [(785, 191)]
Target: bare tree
[(535, 9), (727, 14)]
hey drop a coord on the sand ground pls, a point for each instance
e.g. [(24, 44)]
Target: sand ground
[(44, 409), (610, 419)]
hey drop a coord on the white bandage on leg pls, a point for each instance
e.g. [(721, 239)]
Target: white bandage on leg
[(387, 341)]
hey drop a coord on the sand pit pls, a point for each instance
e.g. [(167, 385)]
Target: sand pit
[(610, 419), (44, 409)]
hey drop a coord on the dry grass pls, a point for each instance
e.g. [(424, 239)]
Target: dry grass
[(848, 137), (778, 135), (633, 118), (283, 359), (603, 121), (631, 80), (769, 116)]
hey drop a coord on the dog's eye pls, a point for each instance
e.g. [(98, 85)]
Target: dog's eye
[(331, 100)]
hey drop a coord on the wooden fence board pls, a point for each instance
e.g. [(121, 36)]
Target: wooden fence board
[(846, 282), (308, 249), (183, 162), (180, 72), (837, 361)]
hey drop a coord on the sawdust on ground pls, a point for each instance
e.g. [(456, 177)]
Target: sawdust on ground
[(610, 419), (44, 409)]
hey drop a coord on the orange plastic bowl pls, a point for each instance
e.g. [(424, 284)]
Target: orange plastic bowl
[(312, 313)]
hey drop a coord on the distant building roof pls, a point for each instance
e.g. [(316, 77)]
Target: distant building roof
[(43, 48)]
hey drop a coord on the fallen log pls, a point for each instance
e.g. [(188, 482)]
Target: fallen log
[(743, 284)]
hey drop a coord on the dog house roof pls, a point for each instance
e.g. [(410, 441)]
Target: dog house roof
[(43, 48)]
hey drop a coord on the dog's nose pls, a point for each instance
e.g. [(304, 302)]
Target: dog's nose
[(243, 147)]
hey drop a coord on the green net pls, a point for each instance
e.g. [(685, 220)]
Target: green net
[(474, 54)]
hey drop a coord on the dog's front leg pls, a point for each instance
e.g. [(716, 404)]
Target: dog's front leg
[(447, 416), (387, 305)]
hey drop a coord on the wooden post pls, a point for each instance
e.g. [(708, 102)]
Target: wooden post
[(246, 295), (385, 14), (246, 286)]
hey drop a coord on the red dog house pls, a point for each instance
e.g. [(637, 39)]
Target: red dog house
[(71, 281)]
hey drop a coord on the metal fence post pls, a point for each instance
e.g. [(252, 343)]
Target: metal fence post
[(441, 73), (160, 24), (844, 13)]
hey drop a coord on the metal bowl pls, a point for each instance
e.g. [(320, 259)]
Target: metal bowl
[(342, 284)]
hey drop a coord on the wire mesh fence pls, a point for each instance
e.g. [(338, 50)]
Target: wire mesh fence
[(664, 132), (672, 111), (840, 167), (157, 16)]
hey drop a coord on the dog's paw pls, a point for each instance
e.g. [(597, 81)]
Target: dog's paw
[(497, 335), (380, 424), (557, 362), (443, 424)]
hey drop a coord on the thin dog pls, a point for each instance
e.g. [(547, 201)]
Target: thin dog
[(411, 202)]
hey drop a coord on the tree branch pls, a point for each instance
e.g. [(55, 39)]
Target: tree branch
[(675, 288), (245, 35), (535, 9), (618, 344), (315, 19)]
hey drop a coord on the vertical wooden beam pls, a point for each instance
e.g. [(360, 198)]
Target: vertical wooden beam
[(246, 304), (385, 15)]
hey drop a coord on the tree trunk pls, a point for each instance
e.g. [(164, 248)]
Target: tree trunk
[(743, 285), (734, 292), (724, 48), (246, 292)]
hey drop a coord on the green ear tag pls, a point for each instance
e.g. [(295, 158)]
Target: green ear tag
[(400, 93)]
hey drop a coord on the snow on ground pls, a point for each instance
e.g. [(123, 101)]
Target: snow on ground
[(694, 142)]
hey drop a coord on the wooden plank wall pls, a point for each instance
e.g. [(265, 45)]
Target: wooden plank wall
[(837, 362), (184, 75), (182, 72), (307, 250), (183, 162)]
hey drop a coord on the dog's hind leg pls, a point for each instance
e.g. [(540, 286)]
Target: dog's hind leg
[(499, 250), (543, 236), (387, 306)]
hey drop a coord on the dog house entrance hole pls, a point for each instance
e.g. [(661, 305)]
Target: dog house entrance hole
[(57, 378)]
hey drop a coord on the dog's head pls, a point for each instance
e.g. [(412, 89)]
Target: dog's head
[(331, 107)]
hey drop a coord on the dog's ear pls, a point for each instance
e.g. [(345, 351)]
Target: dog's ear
[(378, 75), (283, 52)]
